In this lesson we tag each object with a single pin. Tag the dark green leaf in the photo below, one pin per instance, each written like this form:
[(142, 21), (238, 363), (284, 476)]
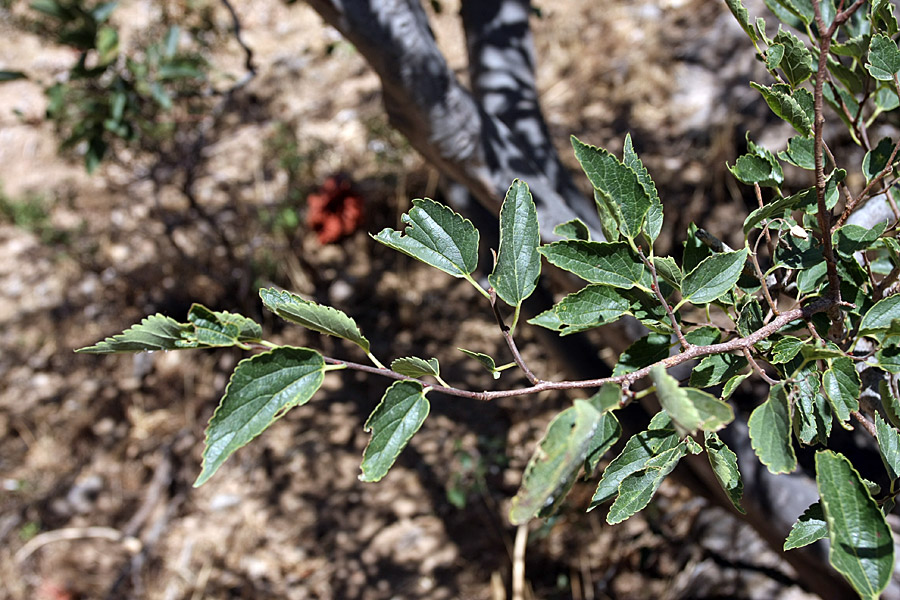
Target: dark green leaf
[(12, 76), (717, 368), (770, 432), (889, 445), (855, 47), (556, 461), (654, 221), (884, 58), (751, 169), (800, 152), (850, 239), (862, 548), (394, 421), (809, 528), (657, 439), (890, 403), (649, 349), (732, 384), (437, 236), (725, 465), (317, 317), (573, 230), (486, 361), (607, 433), (877, 158), (156, 332), (638, 488), (616, 181), (841, 385), (413, 366), (703, 336), (261, 390), (518, 263), (880, 316), (812, 413), (667, 270), (713, 277), (610, 216), (774, 54), (776, 209), (786, 107), (593, 305), (222, 328), (596, 262), (786, 349)]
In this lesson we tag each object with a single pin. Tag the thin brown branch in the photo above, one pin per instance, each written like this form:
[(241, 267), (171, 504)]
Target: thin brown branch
[(759, 370), (510, 342), (866, 424), (762, 279), (864, 195), (675, 326), (694, 352)]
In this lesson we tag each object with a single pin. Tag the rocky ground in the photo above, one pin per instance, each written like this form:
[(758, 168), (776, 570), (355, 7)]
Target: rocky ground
[(97, 454)]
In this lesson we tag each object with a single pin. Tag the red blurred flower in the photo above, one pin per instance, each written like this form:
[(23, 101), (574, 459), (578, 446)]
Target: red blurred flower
[(335, 210)]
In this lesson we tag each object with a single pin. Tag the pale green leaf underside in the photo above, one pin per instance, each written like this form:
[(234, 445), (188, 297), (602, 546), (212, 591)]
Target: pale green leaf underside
[(884, 58), (724, 464), (713, 277), (841, 386), (556, 461), (394, 421), (261, 390), (437, 236), (573, 230), (317, 317), (518, 265), (862, 547), (413, 366), (638, 488), (770, 432), (786, 107)]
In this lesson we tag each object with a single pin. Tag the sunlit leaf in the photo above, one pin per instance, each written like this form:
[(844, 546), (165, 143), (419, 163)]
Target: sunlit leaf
[(156, 332), (883, 58), (596, 262), (317, 317), (573, 230), (413, 366), (713, 277), (841, 384), (394, 421), (809, 528), (518, 265)]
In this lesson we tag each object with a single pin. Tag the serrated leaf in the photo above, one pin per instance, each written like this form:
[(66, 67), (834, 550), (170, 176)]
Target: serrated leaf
[(770, 432), (800, 152), (486, 361), (518, 265), (716, 368), (261, 390), (596, 262), (880, 316), (851, 239), (776, 209), (556, 461), (667, 270), (786, 349), (809, 528), (156, 332), (689, 409), (637, 489), (751, 169), (413, 366), (394, 421), (713, 277), (877, 158), (651, 348), (725, 465), (222, 328), (862, 548), (317, 317), (786, 107), (797, 63), (855, 47), (654, 220), (605, 436), (703, 336), (841, 384), (618, 182), (743, 17), (592, 305), (610, 216), (437, 236), (732, 384), (889, 446), (640, 448), (774, 54), (883, 61), (812, 412), (714, 413), (573, 230)]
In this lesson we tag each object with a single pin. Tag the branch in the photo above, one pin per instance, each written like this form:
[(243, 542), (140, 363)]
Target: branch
[(649, 263), (734, 345), (510, 342)]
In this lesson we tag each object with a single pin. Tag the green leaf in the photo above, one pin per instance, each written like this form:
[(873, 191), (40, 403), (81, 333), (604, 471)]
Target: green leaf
[(889, 445), (640, 448), (877, 158), (841, 385), (732, 384), (518, 262), (714, 414), (654, 221), (436, 236), (890, 403), (725, 465), (394, 421), (413, 366), (667, 270), (261, 390), (573, 230), (743, 18), (800, 152), (809, 528), (862, 548), (850, 239), (317, 317), (797, 63), (596, 262), (617, 182), (855, 47), (688, 408), (717, 368), (774, 54), (703, 336), (786, 107), (786, 349), (592, 305), (713, 277), (607, 433), (156, 332), (776, 209), (222, 328), (770, 432), (880, 316), (556, 461), (884, 58), (651, 348), (610, 216), (812, 412), (750, 169), (638, 488), (486, 361)]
